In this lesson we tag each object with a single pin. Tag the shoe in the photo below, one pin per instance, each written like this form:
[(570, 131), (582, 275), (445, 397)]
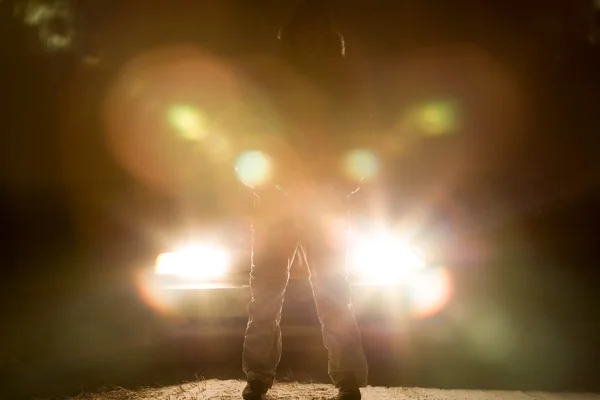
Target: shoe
[(348, 390), (255, 391)]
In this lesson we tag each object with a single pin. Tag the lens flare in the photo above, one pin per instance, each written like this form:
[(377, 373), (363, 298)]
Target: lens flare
[(384, 258), (253, 168), (361, 164), (172, 113), (189, 122), (430, 291), (436, 118), (197, 262)]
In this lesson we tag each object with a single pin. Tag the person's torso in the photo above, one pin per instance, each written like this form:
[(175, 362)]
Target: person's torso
[(314, 123)]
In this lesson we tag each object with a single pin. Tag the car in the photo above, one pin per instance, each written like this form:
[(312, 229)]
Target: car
[(202, 288)]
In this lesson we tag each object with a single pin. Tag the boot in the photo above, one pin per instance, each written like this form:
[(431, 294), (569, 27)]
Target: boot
[(255, 391), (348, 389)]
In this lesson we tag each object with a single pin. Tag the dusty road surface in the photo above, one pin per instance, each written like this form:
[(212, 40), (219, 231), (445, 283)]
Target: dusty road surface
[(231, 389)]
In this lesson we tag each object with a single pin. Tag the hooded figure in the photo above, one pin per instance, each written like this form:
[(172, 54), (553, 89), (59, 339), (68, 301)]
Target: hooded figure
[(308, 220)]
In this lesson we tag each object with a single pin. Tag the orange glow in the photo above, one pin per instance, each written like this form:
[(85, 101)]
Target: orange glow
[(169, 113), (164, 302), (430, 291)]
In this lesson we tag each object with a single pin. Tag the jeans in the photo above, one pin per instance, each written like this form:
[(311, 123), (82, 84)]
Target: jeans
[(283, 228)]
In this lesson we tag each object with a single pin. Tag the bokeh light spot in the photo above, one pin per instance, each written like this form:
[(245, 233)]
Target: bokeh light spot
[(54, 20), (361, 164), (253, 168), (436, 118), (173, 114), (431, 290), (189, 122)]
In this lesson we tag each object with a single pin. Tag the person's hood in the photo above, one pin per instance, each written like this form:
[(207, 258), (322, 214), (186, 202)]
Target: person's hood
[(310, 15)]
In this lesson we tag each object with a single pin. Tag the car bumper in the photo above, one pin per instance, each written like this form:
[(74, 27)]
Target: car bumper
[(220, 309)]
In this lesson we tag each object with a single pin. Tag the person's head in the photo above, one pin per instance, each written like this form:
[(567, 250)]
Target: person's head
[(308, 38)]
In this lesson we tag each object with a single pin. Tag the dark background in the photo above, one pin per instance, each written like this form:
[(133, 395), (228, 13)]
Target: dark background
[(527, 191)]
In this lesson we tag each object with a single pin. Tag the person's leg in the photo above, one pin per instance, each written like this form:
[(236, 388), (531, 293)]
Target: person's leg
[(273, 246), (326, 258)]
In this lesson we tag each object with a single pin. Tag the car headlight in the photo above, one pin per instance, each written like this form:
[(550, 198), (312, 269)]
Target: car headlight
[(384, 259), (199, 262)]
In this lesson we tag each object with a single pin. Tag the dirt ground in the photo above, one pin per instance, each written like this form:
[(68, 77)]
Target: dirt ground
[(231, 389)]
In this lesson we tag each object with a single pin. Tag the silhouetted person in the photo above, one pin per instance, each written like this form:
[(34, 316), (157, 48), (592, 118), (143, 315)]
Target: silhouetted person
[(306, 215)]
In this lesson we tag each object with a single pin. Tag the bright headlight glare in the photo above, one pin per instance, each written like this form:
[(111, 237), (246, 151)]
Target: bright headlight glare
[(197, 262), (385, 258)]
